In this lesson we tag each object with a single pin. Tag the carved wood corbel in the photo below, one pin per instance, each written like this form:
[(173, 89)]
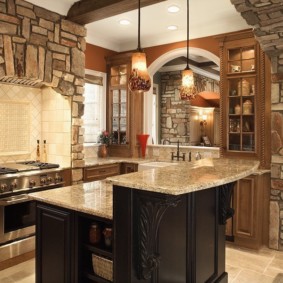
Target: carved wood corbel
[(150, 211), (225, 195)]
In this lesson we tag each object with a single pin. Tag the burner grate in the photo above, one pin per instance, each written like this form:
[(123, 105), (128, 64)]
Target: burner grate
[(5, 170), (41, 165)]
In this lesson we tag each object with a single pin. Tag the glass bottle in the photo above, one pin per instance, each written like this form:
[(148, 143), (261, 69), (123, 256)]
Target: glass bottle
[(38, 152), (44, 153)]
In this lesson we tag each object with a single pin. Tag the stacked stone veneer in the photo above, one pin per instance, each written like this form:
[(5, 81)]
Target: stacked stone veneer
[(40, 47), (266, 17), (175, 113)]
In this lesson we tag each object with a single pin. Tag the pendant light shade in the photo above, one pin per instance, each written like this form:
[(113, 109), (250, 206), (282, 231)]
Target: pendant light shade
[(188, 90), (139, 80)]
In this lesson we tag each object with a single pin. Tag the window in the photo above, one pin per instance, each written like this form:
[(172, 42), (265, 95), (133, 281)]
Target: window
[(94, 117)]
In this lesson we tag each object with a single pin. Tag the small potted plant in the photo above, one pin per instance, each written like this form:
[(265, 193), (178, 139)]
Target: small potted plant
[(104, 139)]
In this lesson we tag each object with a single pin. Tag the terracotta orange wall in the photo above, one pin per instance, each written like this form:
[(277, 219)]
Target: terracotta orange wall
[(95, 56), (206, 43)]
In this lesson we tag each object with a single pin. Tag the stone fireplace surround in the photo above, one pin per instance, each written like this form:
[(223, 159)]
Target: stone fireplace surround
[(40, 48)]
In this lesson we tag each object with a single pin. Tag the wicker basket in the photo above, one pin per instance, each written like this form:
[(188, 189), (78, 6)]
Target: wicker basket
[(102, 267)]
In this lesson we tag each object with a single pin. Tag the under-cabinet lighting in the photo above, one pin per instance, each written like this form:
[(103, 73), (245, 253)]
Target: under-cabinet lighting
[(124, 22), (173, 9), (172, 27)]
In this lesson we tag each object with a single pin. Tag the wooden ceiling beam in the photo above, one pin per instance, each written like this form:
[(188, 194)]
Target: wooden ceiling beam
[(88, 11)]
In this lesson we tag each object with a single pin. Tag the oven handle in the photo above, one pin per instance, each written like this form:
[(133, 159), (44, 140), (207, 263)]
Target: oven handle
[(14, 200)]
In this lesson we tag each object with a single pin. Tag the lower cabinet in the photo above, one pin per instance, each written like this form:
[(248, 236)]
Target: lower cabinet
[(95, 257), (100, 172), (54, 245), (128, 167), (249, 225), (70, 244)]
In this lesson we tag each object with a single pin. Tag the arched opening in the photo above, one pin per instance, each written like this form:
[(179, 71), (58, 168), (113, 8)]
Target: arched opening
[(151, 100)]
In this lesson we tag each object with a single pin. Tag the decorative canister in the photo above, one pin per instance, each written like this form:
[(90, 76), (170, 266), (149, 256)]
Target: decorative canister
[(94, 233), (243, 88), (247, 107), (237, 109), (107, 232)]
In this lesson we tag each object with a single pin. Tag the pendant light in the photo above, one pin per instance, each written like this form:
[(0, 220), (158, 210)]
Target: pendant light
[(139, 80), (188, 90)]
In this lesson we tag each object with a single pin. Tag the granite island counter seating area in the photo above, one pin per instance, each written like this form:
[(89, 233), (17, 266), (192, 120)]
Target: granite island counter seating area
[(168, 224)]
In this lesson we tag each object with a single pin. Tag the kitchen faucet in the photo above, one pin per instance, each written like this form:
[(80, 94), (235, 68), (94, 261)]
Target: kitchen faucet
[(178, 156)]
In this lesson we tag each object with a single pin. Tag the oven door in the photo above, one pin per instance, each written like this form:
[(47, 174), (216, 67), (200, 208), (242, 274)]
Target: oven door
[(17, 218)]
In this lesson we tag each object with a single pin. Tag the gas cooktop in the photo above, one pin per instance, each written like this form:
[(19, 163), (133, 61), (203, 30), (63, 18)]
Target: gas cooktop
[(11, 168), (40, 165)]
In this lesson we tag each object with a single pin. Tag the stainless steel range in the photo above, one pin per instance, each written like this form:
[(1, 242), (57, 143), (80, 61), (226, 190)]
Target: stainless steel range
[(17, 211)]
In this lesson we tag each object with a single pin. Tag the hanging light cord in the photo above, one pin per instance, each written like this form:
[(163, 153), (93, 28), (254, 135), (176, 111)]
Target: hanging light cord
[(139, 27), (187, 35)]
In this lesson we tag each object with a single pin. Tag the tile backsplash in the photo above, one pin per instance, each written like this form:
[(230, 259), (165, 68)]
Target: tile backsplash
[(30, 114)]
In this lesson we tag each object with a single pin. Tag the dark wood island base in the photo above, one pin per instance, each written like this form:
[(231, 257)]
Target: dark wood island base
[(170, 238)]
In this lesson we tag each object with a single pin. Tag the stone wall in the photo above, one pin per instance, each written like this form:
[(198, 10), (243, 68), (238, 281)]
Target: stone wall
[(176, 113), (39, 47), (266, 17)]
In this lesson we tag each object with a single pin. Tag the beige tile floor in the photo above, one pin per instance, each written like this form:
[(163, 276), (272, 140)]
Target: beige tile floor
[(242, 265)]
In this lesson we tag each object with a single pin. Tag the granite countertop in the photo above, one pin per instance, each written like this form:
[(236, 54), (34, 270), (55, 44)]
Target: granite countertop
[(111, 160), (93, 198), (188, 177)]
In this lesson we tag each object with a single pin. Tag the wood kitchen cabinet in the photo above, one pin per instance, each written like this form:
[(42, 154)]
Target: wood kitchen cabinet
[(86, 249), (100, 172), (249, 225), (55, 245), (245, 98), (128, 167), (124, 109), (63, 248)]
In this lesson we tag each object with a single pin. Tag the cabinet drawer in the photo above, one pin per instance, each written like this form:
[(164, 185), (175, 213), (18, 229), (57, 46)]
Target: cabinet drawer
[(101, 172)]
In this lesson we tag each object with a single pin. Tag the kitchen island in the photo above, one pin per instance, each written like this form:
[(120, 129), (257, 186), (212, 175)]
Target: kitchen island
[(169, 223)]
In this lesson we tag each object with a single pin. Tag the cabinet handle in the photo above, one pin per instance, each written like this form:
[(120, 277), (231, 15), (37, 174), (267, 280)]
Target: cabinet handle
[(102, 171)]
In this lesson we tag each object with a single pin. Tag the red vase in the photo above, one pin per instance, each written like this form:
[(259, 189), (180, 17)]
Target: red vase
[(143, 140)]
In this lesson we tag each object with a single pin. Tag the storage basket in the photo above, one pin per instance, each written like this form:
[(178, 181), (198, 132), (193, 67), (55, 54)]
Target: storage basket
[(102, 267)]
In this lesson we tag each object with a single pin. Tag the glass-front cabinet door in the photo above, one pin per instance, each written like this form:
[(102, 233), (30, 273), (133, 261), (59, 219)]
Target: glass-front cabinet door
[(241, 90), (119, 104), (245, 98)]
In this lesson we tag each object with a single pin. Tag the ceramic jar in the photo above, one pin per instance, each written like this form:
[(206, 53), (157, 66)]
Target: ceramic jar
[(243, 88), (237, 109), (247, 107), (94, 233), (107, 232)]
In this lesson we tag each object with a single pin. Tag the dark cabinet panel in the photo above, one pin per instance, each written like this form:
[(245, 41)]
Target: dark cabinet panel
[(54, 243)]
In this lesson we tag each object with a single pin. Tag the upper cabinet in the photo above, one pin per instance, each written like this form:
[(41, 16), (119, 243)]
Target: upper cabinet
[(124, 109), (118, 102), (245, 98)]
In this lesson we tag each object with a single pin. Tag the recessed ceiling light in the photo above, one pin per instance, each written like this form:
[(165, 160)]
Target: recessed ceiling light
[(124, 22), (173, 9), (172, 27)]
